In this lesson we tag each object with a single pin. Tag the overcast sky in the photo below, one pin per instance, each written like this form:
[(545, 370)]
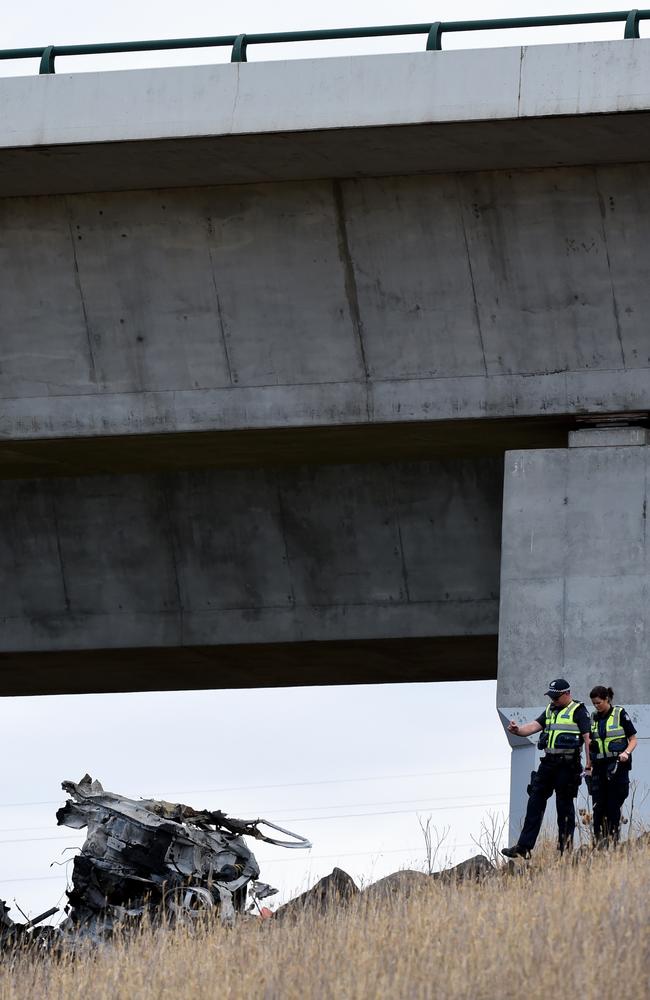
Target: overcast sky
[(313, 759), (37, 22)]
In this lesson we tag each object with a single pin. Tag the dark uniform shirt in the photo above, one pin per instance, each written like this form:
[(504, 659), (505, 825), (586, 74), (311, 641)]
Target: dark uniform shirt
[(626, 725)]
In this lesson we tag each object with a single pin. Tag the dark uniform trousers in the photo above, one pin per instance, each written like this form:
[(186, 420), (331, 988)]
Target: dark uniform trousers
[(610, 786), (555, 774)]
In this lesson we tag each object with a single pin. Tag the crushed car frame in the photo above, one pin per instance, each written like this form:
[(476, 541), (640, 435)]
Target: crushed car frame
[(161, 859)]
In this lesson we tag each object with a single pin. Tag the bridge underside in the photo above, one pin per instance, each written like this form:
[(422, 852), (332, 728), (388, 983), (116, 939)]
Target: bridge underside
[(413, 441), (294, 664), (355, 152)]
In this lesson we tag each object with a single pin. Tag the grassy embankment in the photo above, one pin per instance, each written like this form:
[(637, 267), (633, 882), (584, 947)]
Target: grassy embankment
[(577, 929)]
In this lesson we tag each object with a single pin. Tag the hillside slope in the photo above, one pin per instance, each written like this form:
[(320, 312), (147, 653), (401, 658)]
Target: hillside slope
[(579, 924)]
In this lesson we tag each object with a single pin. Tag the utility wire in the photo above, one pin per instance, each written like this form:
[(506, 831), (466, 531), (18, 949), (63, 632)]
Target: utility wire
[(30, 878), (310, 819), (290, 784), (392, 812), (363, 805), (275, 809), (35, 840), (341, 781), (358, 854), (272, 861)]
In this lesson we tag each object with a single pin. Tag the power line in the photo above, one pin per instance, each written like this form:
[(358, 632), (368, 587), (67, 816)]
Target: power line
[(357, 854), (273, 861), (31, 878), (393, 812), (35, 840), (389, 802), (341, 781), (310, 819), (291, 784), (275, 809)]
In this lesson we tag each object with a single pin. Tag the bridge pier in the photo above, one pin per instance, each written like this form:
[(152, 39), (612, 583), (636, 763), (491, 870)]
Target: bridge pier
[(575, 580)]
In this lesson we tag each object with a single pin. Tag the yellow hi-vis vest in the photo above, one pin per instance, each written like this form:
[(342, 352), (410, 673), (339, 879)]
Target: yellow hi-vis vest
[(561, 730), (615, 739)]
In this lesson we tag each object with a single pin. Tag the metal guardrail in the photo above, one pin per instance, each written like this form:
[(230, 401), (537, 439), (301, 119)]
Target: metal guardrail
[(239, 43)]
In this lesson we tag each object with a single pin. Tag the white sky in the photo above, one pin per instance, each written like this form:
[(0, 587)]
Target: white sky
[(338, 751), (395, 751)]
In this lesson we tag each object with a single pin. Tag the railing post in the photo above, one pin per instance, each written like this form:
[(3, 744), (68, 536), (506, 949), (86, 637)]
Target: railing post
[(632, 25), (434, 38), (239, 49), (47, 61)]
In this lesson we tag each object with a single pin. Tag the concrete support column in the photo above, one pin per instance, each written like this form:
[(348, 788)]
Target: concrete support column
[(522, 761), (575, 587)]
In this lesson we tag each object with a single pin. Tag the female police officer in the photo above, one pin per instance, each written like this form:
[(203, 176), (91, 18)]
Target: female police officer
[(613, 738)]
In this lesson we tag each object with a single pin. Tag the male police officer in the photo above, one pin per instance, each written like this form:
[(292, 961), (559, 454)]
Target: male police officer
[(565, 725)]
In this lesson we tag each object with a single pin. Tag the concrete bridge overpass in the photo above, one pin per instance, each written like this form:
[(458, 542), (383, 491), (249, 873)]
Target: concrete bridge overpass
[(270, 336)]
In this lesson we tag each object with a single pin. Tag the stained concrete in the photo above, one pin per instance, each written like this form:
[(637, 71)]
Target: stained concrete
[(308, 268), (198, 561), (575, 571), (419, 112), (325, 304), (575, 578)]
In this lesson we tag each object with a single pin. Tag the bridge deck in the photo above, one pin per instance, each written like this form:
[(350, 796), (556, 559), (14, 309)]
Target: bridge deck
[(500, 108)]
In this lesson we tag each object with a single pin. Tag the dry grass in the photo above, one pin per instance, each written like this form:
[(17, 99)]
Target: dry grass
[(534, 934)]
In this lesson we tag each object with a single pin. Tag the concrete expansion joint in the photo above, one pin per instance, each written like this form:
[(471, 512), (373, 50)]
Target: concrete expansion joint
[(608, 437)]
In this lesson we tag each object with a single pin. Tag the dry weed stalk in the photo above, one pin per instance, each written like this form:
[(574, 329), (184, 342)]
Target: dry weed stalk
[(433, 843)]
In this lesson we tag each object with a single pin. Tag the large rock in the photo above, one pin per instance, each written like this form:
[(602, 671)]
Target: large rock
[(472, 869), (402, 884), (333, 889)]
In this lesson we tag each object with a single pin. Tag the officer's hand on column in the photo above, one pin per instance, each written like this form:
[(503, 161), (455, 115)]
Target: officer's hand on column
[(513, 727)]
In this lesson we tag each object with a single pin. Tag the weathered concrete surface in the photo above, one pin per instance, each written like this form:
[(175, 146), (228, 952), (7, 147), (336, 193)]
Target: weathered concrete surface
[(319, 304), (340, 117), (575, 582), (453, 309), (212, 559)]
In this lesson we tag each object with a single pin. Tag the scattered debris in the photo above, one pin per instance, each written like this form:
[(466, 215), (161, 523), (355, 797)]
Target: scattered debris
[(257, 891), (15, 935), (7, 926)]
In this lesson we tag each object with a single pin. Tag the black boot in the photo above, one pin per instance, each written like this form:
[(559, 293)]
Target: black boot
[(515, 852)]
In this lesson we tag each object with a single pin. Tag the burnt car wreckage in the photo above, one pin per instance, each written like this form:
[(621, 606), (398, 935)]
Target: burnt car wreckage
[(163, 860)]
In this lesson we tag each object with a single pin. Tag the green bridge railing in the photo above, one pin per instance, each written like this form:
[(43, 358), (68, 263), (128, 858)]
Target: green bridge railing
[(239, 43)]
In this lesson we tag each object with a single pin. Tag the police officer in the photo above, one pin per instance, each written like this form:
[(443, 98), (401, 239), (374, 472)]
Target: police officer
[(613, 738), (565, 726)]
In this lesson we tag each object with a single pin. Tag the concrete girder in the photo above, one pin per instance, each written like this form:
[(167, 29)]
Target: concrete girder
[(317, 305), (181, 569)]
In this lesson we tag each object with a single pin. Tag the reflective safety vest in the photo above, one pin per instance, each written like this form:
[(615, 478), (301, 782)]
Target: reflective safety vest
[(561, 731), (615, 739)]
